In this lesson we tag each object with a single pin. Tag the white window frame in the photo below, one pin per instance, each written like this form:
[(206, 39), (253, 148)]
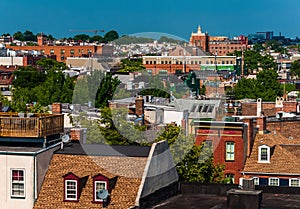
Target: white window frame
[(270, 179), (229, 151), (95, 186), (66, 190), (294, 179), (255, 180), (17, 182), (268, 154)]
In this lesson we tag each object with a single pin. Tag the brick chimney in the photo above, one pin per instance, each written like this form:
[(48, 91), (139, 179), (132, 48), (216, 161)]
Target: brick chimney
[(261, 124), (183, 125), (78, 134), (56, 108), (139, 106), (250, 137)]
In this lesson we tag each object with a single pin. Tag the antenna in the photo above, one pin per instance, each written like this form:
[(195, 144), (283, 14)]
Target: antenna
[(65, 138)]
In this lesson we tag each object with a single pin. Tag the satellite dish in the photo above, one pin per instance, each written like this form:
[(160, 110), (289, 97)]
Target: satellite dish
[(102, 194), (65, 138)]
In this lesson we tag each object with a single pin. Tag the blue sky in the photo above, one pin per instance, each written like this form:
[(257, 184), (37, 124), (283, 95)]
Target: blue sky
[(176, 17)]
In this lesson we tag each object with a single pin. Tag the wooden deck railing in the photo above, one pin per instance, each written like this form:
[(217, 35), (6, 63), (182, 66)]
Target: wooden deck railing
[(36, 125)]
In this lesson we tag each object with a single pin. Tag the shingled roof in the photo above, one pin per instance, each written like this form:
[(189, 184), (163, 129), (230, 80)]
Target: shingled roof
[(127, 170), (284, 157)]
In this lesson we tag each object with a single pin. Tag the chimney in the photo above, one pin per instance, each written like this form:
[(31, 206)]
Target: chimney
[(183, 125), (250, 137), (261, 124), (259, 107), (139, 106), (78, 134), (56, 108)]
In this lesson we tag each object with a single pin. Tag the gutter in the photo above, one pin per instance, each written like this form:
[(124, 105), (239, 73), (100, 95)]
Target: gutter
[(263, 173)]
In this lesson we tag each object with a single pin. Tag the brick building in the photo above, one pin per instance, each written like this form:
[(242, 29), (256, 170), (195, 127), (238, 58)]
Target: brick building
[(228, 143), (218, 45)]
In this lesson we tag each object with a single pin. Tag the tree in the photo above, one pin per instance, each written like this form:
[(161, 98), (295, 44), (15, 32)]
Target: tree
[(29, 36), (266, 87), (97, 38), (111, 36), (19, 36), (295, 68), (81, 37), (131, 65)]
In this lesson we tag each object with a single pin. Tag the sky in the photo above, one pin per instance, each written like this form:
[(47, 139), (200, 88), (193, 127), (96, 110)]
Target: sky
[(176, 17)]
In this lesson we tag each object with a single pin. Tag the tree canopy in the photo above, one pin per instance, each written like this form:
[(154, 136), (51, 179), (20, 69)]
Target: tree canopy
[(44, 85), (265, 86), (295, 68)]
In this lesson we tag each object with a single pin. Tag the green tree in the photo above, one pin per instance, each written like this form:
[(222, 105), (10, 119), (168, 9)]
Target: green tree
[(295, 68), (111, 36), (29, 36), (19, 36), (131, 65), (97, 38), (81, 37), (266, 86)]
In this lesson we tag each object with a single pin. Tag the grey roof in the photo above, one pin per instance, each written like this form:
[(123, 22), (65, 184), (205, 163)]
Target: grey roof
[(75, 148), (203, 74)]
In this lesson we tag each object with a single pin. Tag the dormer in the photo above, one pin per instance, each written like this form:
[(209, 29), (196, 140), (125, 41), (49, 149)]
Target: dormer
[(102, 185), (264, 154), (71, 187)]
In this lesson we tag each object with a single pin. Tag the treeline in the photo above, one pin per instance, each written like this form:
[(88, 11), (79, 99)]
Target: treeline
[(31, 37), (125, 40)]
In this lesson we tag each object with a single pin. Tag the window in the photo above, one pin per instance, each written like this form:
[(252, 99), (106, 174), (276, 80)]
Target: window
[(51, 51), (18, 183), (62, 51), (273, 182), (294, 182), (99, 185), (72, 51), (264, 154), (230, 178), (229, 151), (256, 180), (70, 189)]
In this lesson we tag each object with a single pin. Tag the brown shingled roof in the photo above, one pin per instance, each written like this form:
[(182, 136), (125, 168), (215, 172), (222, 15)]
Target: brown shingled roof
[(128, 170), (284, 155)]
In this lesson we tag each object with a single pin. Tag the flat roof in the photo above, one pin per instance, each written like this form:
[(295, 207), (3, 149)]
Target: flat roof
[(76, 148)]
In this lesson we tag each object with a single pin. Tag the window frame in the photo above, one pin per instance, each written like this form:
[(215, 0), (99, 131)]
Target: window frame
[(292, 179), (255, 179), (17, 182), (70, 177), (66, 190), (96, 199), (260, 152), (230, 152), (96, 179), (273, 178)]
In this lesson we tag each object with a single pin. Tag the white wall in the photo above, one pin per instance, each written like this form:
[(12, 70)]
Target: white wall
[(11, 61), (9, 162), (173, 116)]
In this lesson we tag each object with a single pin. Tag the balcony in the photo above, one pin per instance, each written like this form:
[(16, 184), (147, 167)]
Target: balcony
[(30, 125)]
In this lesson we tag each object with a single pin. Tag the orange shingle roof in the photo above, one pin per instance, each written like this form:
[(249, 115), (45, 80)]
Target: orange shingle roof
[(284, 155), (128, 169)]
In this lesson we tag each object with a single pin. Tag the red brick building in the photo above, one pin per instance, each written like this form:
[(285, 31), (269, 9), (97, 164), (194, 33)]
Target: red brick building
[(218, 45), (228, 143)]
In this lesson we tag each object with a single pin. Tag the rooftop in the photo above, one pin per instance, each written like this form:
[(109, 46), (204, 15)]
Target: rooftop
[(104, 150)]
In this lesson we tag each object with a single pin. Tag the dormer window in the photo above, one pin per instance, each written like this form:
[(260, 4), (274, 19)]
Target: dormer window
[(264, 154), (101, 187), (71, 187)]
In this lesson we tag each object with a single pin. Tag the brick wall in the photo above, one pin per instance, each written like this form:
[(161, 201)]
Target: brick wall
[(287, 128), (269, 108), (219, 139)]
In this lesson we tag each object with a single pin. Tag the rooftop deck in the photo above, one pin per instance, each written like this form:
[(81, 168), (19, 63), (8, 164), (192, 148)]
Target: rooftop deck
[(30, 125)]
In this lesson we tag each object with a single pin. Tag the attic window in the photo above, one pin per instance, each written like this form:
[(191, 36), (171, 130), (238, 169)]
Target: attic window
[(101, 186), (264, 154), (71, 187)]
